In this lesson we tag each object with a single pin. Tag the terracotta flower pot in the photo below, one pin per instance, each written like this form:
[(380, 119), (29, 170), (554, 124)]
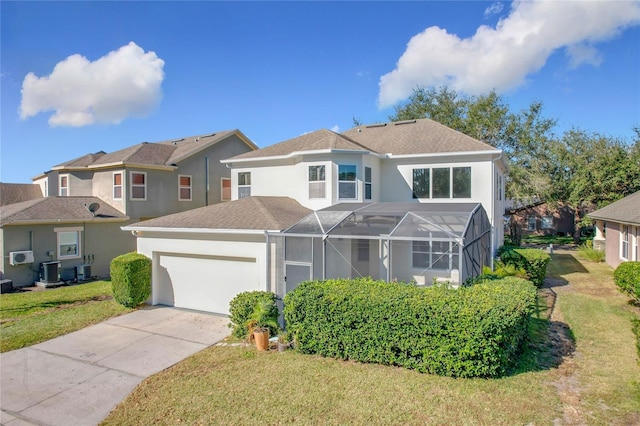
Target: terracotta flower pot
[(261, 337)]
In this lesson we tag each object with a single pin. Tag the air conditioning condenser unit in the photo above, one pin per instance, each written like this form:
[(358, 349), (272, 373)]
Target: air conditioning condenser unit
[(20, 257)]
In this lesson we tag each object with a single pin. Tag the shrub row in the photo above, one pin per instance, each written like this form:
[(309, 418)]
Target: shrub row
[(470, 332), (627, 278), (534, 261), (131, 279), (242, 306)]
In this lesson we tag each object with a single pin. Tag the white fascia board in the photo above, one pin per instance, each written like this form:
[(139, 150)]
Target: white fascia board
[(299, 154), (64, 221), (196, 230), (445, 154), (132, 165)]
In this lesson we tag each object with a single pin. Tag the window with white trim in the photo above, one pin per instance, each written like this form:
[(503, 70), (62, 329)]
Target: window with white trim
[(546, 222), (68, 242), (347, 182), (225, 189), (117, 185), (184, 187), (46, 187), (624, 242), (317, 182), (367, 183), (244, 184), (138, 187), (637, 243), (442, 182), (531, 223), (63, 185)]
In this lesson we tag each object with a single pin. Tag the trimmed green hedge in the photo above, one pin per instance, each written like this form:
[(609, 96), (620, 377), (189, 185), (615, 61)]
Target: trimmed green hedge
[(534, 261), (627, 278), (242, 306), (131, 279), (469, 332)]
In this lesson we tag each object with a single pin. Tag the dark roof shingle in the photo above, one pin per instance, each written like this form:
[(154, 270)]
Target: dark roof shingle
[(257, 213), (626, 210), (11, 193), (58, 209)]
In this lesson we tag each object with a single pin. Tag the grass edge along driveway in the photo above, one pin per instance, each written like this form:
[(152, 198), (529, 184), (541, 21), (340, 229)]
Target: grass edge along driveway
[(28, 318)]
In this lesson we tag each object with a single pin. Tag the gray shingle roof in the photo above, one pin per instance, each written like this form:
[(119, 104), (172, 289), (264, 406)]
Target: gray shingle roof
[(258, 213), (11, 193), (58, 209), (423, 136), (319, 140), (163, 153), (626, 210)]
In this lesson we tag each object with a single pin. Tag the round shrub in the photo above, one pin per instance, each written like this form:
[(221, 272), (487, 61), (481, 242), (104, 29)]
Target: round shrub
[(242, 306), (627, 278), (131, 279)]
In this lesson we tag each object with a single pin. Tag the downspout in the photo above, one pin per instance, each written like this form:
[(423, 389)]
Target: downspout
[(268, 262), (206, 177)]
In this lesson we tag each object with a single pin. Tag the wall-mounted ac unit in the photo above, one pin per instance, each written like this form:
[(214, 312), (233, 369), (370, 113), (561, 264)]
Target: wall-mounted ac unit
[(20, 257)]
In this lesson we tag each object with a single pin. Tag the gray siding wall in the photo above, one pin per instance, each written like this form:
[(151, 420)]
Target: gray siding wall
[(102, 241), (80, 184)]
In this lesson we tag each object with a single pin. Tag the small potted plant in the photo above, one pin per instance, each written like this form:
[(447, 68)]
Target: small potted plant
[(259, 323), (283, 341)]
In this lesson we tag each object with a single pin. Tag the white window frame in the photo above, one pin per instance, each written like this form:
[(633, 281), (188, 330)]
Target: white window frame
[(549, 219), (637, 243), (319, 183), (137, 185), (529, 223), (625, 232), (430, 171), (121, 186), (46, 187), (181, 187), (244, 190), (78, 231), (353, 182), (222, 181), (61, 188), (368, 187)]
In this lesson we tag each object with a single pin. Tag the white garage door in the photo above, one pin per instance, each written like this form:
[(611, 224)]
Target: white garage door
[(203, 283)]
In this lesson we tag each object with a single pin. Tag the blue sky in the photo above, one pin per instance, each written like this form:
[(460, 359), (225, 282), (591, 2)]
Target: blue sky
[(80, 77)]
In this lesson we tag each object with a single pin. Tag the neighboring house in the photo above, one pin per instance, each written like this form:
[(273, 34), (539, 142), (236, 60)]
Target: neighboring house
[(136, 183), (540, 218), (618, 230), (413, 201), (60, 229)]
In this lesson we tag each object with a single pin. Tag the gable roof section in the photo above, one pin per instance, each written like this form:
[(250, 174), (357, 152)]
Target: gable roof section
[(252, 213), (11, 193), (164, 153), (414, 137), (58, 210), (626, 210), (319, 140)]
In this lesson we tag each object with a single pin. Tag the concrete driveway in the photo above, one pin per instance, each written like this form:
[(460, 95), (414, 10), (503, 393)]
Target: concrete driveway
[(77, 379)]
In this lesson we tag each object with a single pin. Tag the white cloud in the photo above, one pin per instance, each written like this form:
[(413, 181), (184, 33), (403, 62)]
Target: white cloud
[(123, 83), (336, 129), (501, 58), (493, 9)]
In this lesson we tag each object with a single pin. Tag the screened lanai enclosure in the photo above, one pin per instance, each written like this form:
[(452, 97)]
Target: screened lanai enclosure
[(408, 242)]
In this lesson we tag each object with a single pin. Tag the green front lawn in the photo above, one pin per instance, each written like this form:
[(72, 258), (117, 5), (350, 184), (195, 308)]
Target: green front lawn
[(32, 317), (599, 385)]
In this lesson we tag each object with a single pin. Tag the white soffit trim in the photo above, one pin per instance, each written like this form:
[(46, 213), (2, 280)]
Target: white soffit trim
[(197, 230), (446, 154), (299, 154)]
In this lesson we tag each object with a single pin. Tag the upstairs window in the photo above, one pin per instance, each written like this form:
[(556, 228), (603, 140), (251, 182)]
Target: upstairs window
[(63, 186), (46, 187), (531, 223), (225, 184), (244, 184), (461, 182), (547, 222), (441, 183), (367, 183), (117, 186), (421, 183), (138, 185), (347, 182), (184, 188), (317, 184)]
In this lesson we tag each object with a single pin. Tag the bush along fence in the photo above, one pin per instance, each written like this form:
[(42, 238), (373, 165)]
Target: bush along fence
[(131, 279), (533, 261), (473, 331)]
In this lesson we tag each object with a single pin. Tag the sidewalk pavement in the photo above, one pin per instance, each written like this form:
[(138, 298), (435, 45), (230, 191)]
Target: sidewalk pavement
[(77, 379)]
